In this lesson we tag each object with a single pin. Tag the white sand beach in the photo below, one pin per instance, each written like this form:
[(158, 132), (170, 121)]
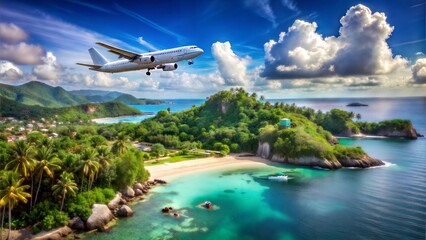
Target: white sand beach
[(168, 171)]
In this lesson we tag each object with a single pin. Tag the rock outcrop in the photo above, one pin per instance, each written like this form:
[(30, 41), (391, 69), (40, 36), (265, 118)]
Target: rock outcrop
[(129, 192), (409, 133), (76, 223), (138, 186), (361, 162), (138, 192), (116, 202), (307, 161), (101, 215), (264, 150), (124, 211)]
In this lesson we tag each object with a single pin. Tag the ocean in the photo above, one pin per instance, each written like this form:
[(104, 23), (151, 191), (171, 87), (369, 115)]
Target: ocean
[(377, 203)]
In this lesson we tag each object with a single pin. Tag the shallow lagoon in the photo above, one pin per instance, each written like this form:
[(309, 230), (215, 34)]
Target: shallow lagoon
[(379, 203)]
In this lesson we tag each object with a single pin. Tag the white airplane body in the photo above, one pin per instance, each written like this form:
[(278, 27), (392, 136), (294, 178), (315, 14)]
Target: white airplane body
[(163, 59)]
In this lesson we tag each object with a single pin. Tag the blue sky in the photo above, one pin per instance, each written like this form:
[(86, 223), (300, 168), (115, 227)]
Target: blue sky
[(327, 48)]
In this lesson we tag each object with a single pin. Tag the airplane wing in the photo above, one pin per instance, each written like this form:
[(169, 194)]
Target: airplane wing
[(120, 52), (90, 65)]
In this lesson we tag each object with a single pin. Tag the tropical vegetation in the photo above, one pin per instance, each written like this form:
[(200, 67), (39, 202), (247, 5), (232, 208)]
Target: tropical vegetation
[(46, 181)]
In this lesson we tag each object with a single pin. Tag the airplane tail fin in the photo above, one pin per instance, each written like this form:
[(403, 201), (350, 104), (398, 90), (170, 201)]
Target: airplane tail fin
[(98, 59)]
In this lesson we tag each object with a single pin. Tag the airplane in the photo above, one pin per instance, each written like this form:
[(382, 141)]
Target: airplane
[(163, 59)]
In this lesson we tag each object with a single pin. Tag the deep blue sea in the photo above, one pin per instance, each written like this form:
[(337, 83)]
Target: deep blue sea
[(378, 203)]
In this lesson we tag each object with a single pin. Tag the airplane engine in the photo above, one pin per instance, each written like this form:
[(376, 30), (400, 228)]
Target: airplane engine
[(170, 67), (145, 60)]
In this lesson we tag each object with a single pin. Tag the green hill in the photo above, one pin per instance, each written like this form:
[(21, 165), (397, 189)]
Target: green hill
[(131, 100), (97, 95), (235, 121), (38, 93), (10, 108)]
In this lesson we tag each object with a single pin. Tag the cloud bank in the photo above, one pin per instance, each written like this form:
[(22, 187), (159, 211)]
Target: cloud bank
[(360, 49), (419, 71)]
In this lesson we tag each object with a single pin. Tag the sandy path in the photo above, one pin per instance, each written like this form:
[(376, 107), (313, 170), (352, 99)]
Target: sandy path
[(168, 171)]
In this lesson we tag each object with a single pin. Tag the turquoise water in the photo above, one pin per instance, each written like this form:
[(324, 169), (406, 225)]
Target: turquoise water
[(377, 203)]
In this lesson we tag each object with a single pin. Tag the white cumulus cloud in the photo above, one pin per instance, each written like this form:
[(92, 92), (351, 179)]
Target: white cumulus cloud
[(107, 80), (419, 71), (9, 71), (360, 49), (21, 53), (49, 69), (11, 33), (231, 67)]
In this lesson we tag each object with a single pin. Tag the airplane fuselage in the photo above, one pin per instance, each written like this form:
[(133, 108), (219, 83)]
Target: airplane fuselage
[(166, 58)]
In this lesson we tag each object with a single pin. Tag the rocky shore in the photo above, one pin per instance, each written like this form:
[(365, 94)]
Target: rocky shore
[(364, 161), (408, 133), (103, 215)]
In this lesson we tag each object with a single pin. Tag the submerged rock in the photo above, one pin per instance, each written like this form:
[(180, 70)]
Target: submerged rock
[(160, 181), (101, 215)]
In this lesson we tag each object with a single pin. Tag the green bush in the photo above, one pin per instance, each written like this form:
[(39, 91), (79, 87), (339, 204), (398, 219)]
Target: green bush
[(82, 205), (54, 219), (342, 152)]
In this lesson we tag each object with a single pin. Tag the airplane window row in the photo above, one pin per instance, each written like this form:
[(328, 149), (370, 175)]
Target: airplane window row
[(170, 52)]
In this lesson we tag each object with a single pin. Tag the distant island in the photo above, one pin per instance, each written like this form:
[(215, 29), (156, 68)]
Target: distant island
[(39, 100), (357, 104), (79, 113), (44, 95)]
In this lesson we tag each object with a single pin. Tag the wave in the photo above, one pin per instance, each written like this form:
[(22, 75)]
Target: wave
[(281, 178)]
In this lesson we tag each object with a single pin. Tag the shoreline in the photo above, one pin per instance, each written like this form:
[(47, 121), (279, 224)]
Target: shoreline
[(169, 171), (123, 116)]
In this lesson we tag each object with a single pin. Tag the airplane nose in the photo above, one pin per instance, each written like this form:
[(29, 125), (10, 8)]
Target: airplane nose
[(200, 50)]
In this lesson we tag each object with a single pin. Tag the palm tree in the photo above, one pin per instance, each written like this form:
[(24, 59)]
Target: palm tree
[(12, 192), (121, 145), (104, 158), (90, 165), (47, 163), (22, 161), (2, 217), (65, 185)]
